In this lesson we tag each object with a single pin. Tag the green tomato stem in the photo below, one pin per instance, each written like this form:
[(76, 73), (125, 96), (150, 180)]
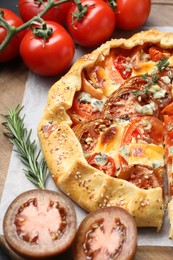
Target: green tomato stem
[(82, 10), (12, 30), (79, 5)]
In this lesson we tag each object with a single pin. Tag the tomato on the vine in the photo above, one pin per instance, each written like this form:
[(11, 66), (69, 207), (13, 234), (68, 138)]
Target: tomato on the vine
[(30, 8), (11, 51), (95, 26), (51, 56), (132, 14)]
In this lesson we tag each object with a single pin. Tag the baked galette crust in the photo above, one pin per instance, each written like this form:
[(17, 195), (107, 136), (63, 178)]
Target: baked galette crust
[(88, 187)]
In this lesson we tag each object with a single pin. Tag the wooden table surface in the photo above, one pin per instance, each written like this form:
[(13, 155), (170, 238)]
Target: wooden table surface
[(12, 84)]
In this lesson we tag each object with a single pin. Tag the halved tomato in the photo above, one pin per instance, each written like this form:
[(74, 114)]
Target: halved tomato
[(40, 224), (108, 233)]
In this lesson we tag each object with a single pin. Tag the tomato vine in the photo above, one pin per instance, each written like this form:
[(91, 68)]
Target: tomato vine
[(12, 30)]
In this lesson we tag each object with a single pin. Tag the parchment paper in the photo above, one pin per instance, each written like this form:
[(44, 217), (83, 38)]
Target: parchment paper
[(34, 102)]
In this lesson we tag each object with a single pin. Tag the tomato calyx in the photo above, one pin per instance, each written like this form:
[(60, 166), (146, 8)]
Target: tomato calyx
[(42, 31), (39, 2), (112, 4), (82, 10)]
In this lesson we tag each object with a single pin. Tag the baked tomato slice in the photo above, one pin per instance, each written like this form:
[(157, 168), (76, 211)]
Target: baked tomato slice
[(153, 86), (143, 176), (147, 129), (168, 110), (40, 224), (157, 53), (103, 162), (127, 103), (168, 127), (108, 233), (88, 134), (124, 66), (85, 107)]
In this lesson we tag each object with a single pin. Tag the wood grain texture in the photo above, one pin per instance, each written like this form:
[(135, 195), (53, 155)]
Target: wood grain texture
[(12, 84), (13, 76)]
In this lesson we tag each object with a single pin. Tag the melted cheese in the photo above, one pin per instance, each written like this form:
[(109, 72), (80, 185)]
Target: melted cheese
[(111, 144), (157, 91), (147, 154), (146, 109), (170, 61), (96, 103), (144, 67), (111, 147)]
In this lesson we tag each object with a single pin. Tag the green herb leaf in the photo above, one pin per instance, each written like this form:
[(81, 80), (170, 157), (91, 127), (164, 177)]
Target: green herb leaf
[(145, 76), (162, 64), (36, 169), (154, 77)]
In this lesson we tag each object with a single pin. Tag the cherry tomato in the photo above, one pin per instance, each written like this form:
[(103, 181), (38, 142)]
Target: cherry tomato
[(95, 27), (132, 14), (51, 56), (103, 162), (12, 49), (31, 8), (108, 233), (40, 224)]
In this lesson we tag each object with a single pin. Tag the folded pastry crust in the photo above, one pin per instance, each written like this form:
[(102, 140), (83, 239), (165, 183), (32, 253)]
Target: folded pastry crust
[(88, 187)]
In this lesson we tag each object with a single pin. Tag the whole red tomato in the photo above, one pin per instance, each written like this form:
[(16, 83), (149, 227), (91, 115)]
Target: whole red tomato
[(12, 49), (31, 8), (51, 56), (95, 27), (132, 14)]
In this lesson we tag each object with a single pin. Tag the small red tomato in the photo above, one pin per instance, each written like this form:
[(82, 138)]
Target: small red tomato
[(51, 56), (108, 233), (40, 224), (132, 14), (11, 51), (95, 27), (30, 8)]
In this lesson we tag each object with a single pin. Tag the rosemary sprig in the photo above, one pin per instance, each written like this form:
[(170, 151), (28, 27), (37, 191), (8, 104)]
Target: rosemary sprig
[(36, 169)]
